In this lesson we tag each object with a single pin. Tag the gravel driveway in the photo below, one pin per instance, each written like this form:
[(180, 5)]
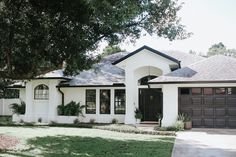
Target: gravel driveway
[(205, 143)]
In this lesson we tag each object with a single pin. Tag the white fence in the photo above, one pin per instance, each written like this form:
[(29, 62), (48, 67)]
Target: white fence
[(5, 106)]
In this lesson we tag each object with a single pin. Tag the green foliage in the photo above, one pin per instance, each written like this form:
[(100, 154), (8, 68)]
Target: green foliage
[(70, 109), (179, 125), (5, 120), (38, 36), (92, 121), (18, 108), (138, 114), (220, 49), (133, 129), (114, 121), (217, 49), (184, 117), (111, 49), (10, 94), (76, 121)]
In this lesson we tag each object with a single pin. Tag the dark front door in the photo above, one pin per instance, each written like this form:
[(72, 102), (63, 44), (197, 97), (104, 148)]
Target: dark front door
[(150, 103)]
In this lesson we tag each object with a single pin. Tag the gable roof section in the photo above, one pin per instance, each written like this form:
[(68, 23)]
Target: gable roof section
[(151, 50), (185, 58), (213, 69), (102, 74)]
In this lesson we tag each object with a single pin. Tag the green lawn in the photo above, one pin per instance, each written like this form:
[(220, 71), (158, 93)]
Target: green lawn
[(71, 146)]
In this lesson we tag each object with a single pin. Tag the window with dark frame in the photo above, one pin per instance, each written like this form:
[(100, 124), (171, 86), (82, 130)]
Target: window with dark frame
[(10, 94), (119, 101), (105, 101), (185, 91), (231, 91), (41, 92), (220, 91), (91, 101), (208, 91), (196, 91)]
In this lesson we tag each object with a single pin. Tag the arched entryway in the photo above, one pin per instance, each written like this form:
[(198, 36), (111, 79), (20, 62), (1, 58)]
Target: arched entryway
[(149, 100)]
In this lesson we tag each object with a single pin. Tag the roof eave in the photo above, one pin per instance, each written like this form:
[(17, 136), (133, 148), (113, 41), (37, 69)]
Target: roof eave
[(150, 49), (194, 82)]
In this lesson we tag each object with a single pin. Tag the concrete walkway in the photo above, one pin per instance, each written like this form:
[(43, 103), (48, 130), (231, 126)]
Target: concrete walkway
[(205, 143)]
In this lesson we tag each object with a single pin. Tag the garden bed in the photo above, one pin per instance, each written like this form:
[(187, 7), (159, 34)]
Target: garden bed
[(133, 129)]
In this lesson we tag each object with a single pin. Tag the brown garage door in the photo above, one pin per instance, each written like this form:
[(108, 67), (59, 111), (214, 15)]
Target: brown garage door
[(209, 107)]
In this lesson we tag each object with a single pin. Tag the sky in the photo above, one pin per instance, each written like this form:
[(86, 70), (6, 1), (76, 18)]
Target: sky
[(210, 21)]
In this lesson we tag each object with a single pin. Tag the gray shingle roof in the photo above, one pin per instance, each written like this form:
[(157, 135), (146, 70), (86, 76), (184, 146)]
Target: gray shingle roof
[(103, 73), (216, 68), (185, 58)]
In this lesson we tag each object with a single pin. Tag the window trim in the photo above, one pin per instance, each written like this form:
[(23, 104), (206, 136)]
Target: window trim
[(100, 100), (42, 98), (119, 101), (90, 101)]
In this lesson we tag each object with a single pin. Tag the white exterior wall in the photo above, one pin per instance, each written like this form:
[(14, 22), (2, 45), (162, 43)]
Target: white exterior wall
[(5, 104), (137, 66), (44, 109), (78, 94), (170, 98)]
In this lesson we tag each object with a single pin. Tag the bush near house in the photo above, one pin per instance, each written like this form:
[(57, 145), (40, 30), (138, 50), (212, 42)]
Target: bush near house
[(18, 108), (70, 109)]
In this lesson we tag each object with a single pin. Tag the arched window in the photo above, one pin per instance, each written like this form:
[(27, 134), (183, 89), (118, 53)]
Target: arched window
[(144, 80), (41, 92)]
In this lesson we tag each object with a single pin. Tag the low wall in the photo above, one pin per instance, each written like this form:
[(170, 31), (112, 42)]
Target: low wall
[(5, 106)]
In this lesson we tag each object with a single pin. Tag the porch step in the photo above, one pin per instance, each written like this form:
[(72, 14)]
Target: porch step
[(149, 122)]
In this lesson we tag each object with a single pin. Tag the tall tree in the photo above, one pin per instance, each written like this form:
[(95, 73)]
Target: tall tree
[(220, 49), (112, 49), (39, 35), (217, 49)]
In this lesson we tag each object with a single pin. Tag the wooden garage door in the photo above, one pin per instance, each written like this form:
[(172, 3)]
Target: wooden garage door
[(209, 107)]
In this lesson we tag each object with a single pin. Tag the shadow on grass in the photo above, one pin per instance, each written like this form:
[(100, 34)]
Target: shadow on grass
[(71, 146)]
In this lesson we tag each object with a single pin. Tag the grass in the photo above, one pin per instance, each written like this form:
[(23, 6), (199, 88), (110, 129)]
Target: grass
[(5, 120), (72, 146)]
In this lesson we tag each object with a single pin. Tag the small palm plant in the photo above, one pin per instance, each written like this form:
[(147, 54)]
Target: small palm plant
[(71, 109), (18, 108)]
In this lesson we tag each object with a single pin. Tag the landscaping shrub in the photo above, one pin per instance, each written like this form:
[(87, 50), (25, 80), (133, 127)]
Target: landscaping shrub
[(76, 121), (179, 125), (114, 121), (40, 120), (134, 130), (92, 121), (70, 109), (18, 108)]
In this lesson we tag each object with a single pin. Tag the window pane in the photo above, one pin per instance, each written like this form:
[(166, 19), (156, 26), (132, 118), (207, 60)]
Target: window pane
[(11, 93), (232, 91), (208, 91), (184, 91), (220, 91), (196, 91), (105, 101), (144, 80), (119, 101), (91, 101), (41, 92)]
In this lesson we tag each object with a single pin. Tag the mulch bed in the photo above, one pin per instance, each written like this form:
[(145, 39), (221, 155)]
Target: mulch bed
[(7, 142)]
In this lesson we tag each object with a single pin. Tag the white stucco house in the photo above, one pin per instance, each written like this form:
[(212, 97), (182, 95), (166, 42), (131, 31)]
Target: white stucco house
[(155, 82)]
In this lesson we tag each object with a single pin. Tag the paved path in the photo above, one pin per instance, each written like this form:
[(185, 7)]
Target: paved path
[(205, 143)]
